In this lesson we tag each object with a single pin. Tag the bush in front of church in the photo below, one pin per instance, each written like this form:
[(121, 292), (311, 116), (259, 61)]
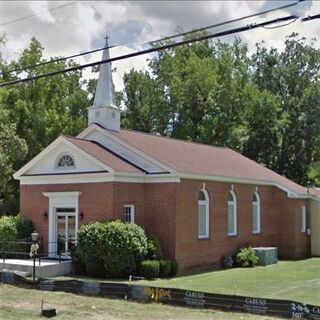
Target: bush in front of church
[(15, 229), (111, 249)]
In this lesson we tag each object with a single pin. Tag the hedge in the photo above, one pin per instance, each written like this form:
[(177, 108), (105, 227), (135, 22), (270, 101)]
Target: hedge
[(111, 249), (149, 269)]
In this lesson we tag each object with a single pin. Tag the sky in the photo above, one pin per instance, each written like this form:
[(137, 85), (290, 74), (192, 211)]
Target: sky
[(79, 26)]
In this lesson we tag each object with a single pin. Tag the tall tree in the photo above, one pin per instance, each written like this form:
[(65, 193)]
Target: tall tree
[(42, 110), (264, 105)]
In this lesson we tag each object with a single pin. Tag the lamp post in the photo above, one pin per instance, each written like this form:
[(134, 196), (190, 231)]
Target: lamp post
[(33, 251)]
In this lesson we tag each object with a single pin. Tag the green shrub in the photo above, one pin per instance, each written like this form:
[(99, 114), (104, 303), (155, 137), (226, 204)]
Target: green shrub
[(246, 257), (165, 268), (114, 248), (15, 228), (78, 266), (89, 248), (149, 269), (8, 228), (174, 268), (154, 248)]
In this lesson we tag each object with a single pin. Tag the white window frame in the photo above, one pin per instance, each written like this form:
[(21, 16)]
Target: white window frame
[(59, 158), (256, 204), (206, 203), (234, 204), (132, 213), (303, 219)]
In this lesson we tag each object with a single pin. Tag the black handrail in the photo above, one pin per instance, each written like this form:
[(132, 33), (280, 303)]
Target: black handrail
[(7, 252)]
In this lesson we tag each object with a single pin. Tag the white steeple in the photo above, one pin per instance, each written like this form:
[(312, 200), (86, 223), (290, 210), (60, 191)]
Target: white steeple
[(104, 110)]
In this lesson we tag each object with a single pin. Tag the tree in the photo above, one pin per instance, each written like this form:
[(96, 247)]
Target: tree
[(264, 105), (42, 110), (292, 76), (12, 150)]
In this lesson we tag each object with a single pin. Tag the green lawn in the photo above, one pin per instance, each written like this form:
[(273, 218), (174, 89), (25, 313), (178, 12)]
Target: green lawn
[(293, 280), (24, 304)]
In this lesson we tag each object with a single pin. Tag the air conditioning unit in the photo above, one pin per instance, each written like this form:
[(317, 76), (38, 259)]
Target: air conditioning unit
[(266, 255)]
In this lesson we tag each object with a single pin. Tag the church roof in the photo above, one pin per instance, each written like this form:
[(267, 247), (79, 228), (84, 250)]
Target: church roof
[(202, 159), (102, 154)]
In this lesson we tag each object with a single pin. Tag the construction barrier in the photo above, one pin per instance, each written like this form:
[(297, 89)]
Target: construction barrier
[(173, 296)]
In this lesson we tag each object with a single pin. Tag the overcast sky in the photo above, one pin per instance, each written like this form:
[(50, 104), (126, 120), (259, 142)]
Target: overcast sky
[(82, 25)]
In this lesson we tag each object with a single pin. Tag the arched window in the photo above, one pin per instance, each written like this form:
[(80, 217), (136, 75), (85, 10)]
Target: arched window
[(232, 214), (256, 213), (65, 161), (203, 214)]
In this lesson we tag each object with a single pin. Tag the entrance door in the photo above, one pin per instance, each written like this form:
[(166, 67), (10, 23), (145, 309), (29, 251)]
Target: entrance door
[(66, 230)]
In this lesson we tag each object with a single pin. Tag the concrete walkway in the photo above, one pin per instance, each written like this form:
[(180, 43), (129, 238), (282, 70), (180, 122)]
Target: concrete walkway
[(46, 268)]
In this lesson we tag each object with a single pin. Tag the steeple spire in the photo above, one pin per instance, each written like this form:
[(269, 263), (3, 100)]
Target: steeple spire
[(105, 96), (104, 111)]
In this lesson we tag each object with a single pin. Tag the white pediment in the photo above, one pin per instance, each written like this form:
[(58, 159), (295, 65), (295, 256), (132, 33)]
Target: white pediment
[(46, 162), (49, 163)]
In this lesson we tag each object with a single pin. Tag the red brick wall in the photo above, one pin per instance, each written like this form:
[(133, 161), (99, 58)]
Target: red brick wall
[(95, 201), (160, 214), (170, 211), (278, 223), (104, 201)]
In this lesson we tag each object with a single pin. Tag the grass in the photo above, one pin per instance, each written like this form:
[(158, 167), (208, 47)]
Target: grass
[(17, 303), (292, 280), (288, 280)]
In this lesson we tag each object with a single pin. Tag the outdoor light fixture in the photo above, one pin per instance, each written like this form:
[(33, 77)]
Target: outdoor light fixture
[(34, 236), (81, 215), (45, 215)]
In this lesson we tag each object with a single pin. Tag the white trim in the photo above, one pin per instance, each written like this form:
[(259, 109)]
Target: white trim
[(235, 213), (60, 200), (205, 202), (290, 193), (256, 204), (50, 148), (98, 177), (113, 137), (58, 158), (62, 194), (303, 219), (132, 213)]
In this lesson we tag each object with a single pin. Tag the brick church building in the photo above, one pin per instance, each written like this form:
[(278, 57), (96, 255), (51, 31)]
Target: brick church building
[(203, 202)]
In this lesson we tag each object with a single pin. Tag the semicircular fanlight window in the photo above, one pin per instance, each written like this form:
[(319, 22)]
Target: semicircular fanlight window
[(66, 161)]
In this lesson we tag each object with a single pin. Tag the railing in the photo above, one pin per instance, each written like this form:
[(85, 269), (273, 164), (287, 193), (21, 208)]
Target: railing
[(10, 249), (20, 249)]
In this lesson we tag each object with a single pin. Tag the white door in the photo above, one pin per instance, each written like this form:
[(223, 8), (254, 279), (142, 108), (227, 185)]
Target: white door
[(66, 228)]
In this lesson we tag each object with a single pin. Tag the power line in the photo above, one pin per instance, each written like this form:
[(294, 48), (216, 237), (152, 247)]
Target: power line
[(55, 60), (36, 14), (309, 18), (151, 42), (282, 25), (154, 49), (230, 21)]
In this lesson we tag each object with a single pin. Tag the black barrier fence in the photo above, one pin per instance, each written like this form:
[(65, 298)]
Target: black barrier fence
[(173, 296)]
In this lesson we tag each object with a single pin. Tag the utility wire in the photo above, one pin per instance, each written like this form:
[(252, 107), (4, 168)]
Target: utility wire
[(230, 21), (154, 49), (308, 18), (55, 60), (36, 14), (282, 25), (151, 42)]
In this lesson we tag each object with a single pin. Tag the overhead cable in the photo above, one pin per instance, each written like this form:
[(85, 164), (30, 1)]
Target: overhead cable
[(154, 41), (154, 49)]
